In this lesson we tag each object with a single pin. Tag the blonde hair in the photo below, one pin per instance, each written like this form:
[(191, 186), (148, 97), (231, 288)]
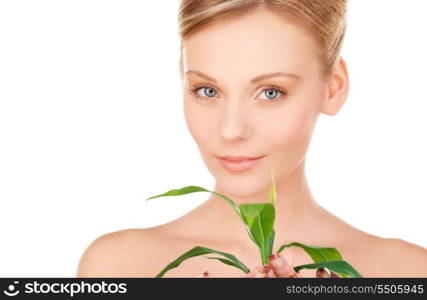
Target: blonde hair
[(324, 19)]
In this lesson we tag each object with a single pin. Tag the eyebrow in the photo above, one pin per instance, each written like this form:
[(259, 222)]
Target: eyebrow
[(254, 80)]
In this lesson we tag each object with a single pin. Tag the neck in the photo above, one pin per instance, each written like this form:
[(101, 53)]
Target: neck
[(295, 211)]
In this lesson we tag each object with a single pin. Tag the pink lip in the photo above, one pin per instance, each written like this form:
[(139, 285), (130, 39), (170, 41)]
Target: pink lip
[(238, 163)]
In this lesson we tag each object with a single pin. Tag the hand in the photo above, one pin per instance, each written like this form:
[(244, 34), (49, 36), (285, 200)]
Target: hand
[(283, 268), (268, 271), (325, 273), (277, 267), (257, 272)]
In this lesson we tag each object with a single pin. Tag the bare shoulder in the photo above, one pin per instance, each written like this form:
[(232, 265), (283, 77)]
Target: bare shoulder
[(376, 256), (119, 254), (393, 257), (409, 260)]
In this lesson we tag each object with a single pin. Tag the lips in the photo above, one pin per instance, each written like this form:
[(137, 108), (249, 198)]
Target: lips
[(238, 163), (239, 158)]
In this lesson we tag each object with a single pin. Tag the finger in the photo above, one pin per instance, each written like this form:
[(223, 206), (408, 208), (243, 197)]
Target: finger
[(326, 273), (288, 256), (280, 266), (205, 274), (261, 272), (323, 273), (270, 272), (334, 275), (252, 272)]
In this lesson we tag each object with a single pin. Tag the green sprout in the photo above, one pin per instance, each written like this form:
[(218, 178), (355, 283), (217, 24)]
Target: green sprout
[(258, 219)]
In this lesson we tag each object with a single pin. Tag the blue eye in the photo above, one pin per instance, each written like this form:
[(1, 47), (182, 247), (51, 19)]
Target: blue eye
[(273, 93), (209, 92)]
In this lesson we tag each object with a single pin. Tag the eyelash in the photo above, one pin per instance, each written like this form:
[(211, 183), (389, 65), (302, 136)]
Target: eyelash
[(283, 92)]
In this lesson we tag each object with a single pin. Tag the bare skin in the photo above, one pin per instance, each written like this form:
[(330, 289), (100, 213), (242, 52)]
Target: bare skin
[(235, 118), (144, 252)]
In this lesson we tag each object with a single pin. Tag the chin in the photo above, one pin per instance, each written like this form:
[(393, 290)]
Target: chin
[(242, 186)]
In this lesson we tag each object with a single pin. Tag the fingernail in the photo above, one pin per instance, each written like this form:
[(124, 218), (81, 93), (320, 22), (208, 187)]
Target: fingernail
[(322, 273), (272, 256)]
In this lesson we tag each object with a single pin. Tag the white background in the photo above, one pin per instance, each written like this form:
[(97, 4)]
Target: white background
[(91, 124)]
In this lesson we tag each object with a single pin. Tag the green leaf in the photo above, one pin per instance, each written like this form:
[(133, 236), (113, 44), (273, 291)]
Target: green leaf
[(272, 195), (194, 188), (259, 219), (318, 254), (197, 251), (229, 262), (339, 266), (270, 243), (181, 191)]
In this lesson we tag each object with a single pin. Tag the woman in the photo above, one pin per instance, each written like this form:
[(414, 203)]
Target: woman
[(256, 75)]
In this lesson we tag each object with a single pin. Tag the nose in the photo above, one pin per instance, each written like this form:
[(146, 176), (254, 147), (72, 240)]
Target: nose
[(234, 125)]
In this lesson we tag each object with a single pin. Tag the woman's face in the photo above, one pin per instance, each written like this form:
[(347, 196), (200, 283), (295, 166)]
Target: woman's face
[(230, 113)]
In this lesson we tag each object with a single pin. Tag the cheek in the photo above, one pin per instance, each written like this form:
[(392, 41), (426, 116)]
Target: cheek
[(198, 123), (288, 128), (287, 137)]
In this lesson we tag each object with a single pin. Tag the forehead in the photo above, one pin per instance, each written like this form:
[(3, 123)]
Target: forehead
[(250, 44)]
